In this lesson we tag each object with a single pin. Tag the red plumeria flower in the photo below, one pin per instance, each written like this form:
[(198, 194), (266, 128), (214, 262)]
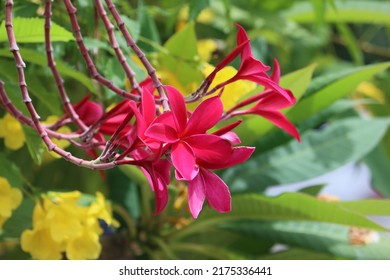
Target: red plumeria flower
[(187, 138), (268, 107), (208, 186), (250, 69)]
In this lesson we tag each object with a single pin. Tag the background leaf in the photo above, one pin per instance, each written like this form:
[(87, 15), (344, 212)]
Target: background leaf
[(321, 151), (31, 30), (333, 91), (34, 143), (297, 82), (291, 206), (321, 237)]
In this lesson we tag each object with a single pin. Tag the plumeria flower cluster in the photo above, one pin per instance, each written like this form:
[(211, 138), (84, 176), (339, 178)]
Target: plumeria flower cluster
[(153, 126), (63, 228), (180, 138)]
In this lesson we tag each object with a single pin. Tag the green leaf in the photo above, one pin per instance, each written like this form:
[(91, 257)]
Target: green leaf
[(34, 143), (347, 11), (196, 7), (31, 30), (335, 111), (297, 254), (331, 89), (50, 99), (367, 207), (321, 237), (351, 43), (320, 152), (10, 171), (148, 30), (288, 206), (38, 58), (254, 126), (181, 62), (312, 190), (183, 43), (20, 220), (124, 192), (379, 166)]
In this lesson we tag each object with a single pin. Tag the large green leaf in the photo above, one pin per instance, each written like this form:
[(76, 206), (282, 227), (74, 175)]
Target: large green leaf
[(31, 30), (331, 89), (181, 61), (10, 171), (321, 151), (322, 237), (297, 81), (349, 11), (288, 206), (38, 58), (35, 144), (183, 43), (379, 166), (279, 137), (36, 87), (20, 220)]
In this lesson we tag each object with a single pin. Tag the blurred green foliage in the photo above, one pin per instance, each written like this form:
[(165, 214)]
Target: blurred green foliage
[(334, 56)]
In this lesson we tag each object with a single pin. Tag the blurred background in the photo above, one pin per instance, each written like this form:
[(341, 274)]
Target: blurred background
[(317, 198)]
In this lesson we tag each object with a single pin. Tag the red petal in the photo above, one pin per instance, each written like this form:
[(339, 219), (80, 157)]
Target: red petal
[(239, 155), (159, 188), (184, 160), (275, 76), (148, 106), (227, 128), (267, 82), (178, 107), (162, 132), (196, 195), (205, 116), (89, 112), (275, 101), (281, 121), (210, 148), (217, 192)]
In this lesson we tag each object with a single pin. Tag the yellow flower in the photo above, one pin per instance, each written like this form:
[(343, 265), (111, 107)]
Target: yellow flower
[(101, 209), (206, 48), (40, 244), (67, 228), (205, 16), (12, 132), (89, 242), (10, 199)]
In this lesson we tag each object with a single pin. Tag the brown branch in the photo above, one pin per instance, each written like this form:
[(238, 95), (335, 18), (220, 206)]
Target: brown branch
[(114, 44), (87, 58), (131, 43), (68, 108), (35, 119)]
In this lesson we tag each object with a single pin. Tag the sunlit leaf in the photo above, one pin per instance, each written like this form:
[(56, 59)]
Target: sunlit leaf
[(351, 11), (331, 88), (34, 143), (31, 30), (38, 58), (288, 206)]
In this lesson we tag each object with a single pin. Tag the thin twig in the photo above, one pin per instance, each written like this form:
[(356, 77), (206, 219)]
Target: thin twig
[(131, 43), (114, 44), (87, 58)]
